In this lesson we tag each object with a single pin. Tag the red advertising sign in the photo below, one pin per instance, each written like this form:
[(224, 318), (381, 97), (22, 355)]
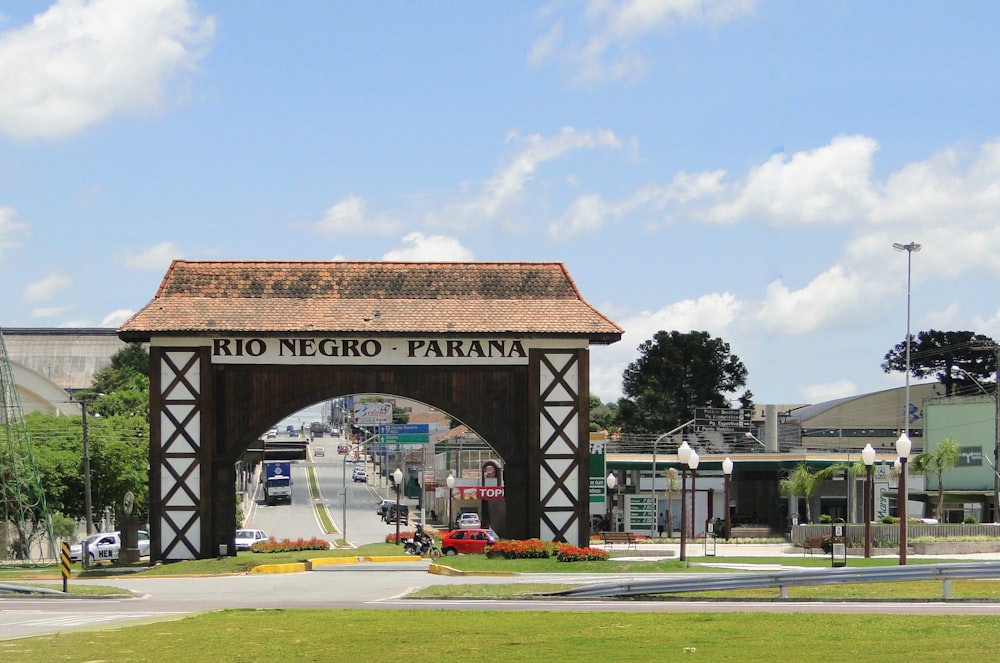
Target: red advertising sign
[(480, 493)]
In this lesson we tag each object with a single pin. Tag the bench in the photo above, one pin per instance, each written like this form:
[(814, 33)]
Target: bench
[(611, 538)]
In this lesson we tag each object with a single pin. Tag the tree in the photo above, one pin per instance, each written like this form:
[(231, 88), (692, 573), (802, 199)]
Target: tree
[(602, 415), (674, 374), (943, 353), (944, 457), (126, 371), (804, 482)]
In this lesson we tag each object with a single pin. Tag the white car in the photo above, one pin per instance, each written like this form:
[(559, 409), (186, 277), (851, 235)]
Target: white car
[(318, 452), (360, 474), (468, 521), (245, 538), (105, 547)]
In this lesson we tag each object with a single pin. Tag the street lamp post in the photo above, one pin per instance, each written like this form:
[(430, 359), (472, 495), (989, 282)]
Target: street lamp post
[(868, 457), (683, 456), (693, 460), (398, 476), (450, 481), (903, 445), (611, 481), (727, 473)]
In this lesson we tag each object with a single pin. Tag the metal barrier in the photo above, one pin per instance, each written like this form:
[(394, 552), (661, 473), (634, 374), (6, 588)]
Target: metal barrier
[(784, 579)]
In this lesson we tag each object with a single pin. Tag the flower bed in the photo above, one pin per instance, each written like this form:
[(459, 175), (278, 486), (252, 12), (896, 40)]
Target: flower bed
[(537, 549), (272, 545)]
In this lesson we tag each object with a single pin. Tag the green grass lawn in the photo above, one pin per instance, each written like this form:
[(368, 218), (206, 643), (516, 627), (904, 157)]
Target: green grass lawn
[(447, 635)]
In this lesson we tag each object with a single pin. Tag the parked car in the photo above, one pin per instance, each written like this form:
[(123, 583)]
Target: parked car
[(245, 538), (468, 541), (318, 452), (383, 505), (273, 433), (468, 521), (105, 547), (360, 474)]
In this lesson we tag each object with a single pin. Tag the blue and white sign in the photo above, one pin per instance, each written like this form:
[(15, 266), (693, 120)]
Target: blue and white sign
[(404, 429)]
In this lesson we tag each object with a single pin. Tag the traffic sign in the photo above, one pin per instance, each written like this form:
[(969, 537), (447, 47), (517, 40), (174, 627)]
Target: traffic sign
[(406, 438), (404, 429), (723, 419)]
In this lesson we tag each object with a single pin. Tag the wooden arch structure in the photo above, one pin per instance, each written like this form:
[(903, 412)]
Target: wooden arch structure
[(236, 346)]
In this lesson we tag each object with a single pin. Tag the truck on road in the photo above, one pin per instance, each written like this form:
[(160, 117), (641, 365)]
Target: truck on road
[(316, 429), (277, 482)]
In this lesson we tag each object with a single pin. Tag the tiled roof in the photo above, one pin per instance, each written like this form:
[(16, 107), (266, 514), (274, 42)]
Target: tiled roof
[(528, 298)]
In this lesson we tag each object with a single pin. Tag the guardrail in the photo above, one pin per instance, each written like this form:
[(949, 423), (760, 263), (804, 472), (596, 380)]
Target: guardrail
[(889, 534), (781, 580)]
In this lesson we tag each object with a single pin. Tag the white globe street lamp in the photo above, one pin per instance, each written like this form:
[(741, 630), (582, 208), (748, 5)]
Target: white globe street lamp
[(727, 473), (868, 458), (903, 446)]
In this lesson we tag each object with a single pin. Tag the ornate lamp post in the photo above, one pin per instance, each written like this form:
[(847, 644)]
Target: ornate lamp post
[(611, 481), (450, 481), (903, 446), (398, 476), (727, 473), (868, 457), (683, 456)]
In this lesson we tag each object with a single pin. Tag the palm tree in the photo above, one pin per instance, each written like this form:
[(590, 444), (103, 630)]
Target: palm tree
[(944, 457), (803, 482)]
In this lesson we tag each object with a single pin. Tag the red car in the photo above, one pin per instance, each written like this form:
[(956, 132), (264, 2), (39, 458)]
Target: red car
[(467, 541)]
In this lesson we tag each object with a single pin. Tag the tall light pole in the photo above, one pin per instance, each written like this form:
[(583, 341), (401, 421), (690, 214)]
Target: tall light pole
[(727, 473), (450, 482), (868, 457), (910, 249), (611, 481), (683, 456), (398, 476), (903, 445)]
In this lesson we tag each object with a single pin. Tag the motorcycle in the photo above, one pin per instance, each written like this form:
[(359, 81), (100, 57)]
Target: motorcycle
[(421, 546)]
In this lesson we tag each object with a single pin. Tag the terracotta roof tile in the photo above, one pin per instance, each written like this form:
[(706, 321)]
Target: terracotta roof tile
[(369, 297)]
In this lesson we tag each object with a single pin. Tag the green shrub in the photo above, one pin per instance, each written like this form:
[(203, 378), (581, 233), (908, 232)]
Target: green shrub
[(825, 519), (970, 520)]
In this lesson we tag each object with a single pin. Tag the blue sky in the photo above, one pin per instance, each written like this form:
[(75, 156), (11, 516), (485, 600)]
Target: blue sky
[(732, 166)]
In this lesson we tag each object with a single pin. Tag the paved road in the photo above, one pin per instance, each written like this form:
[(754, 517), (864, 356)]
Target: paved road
[(371, 586), (357, 517)]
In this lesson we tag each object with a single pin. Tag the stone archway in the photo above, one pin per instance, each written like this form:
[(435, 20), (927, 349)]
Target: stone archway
[(235, 345)]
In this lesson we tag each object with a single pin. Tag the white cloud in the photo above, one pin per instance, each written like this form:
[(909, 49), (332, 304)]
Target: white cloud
[(438, 248), (155, 258), (9, 228), (830, 184), (589, 213), (349, 216), (833, 296), (50, 312), (505, 188), (116, 318), (46, 288), (611, 50), (81, 62)]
